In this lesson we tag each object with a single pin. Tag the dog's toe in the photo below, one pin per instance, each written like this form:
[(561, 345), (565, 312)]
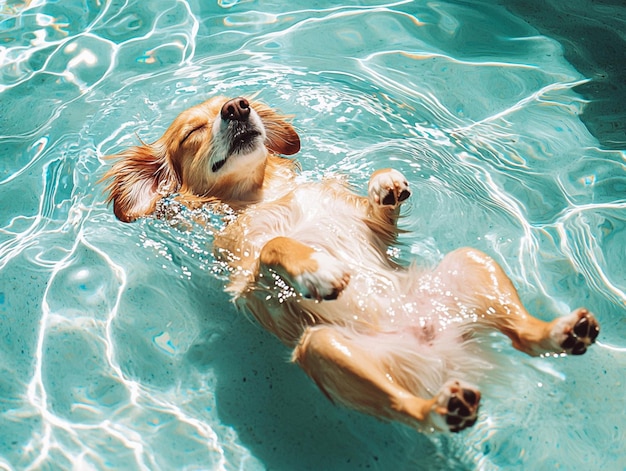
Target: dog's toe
[(389, 199), (404, 194)]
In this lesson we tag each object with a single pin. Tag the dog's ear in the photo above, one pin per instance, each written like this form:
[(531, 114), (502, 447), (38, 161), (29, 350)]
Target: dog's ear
[(138, 180), (281, 138)]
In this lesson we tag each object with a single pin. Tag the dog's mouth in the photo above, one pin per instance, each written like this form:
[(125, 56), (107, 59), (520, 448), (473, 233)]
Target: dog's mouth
[(242, 139)]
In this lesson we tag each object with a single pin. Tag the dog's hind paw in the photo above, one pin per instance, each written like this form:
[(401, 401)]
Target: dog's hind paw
[(388, 187), (576, 332), (325, 283), (458, 403)]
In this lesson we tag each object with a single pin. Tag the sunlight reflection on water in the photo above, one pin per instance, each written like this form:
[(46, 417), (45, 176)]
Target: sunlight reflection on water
[(120, 349)]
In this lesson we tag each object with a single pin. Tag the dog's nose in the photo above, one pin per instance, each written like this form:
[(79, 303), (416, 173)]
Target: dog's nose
[(237, 109)]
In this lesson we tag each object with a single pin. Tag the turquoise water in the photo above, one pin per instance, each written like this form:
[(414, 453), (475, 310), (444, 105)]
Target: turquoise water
[(119, 349)]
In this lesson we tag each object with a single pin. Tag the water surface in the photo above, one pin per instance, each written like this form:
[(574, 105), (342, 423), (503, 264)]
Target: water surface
[(119, 348)]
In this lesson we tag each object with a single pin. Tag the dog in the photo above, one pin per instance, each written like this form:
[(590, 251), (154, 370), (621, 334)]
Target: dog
[(310, 262)]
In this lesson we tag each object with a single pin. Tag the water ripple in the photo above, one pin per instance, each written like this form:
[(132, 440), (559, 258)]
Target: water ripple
[(120, 349)]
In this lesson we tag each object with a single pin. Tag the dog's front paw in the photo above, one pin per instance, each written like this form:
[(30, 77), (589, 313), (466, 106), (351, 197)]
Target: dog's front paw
[(324, 283), (458, 403), (576, 332), (388, 187)]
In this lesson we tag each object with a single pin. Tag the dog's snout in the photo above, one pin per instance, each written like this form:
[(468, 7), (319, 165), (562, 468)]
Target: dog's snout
[(237, 109)]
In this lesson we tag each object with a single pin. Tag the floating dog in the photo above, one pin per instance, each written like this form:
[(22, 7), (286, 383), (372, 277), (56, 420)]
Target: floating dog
[(309, 260)]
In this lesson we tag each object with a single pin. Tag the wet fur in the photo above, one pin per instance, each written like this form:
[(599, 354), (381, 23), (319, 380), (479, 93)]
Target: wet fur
[(309, 261)]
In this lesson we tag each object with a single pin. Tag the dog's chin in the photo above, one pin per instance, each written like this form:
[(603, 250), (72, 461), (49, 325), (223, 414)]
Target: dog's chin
[(245, 148)]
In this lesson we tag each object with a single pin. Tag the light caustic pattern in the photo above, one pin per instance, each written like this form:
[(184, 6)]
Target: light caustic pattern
[(119, 348)]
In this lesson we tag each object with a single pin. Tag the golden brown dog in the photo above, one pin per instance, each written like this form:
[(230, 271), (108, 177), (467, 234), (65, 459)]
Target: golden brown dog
[(309, 261)]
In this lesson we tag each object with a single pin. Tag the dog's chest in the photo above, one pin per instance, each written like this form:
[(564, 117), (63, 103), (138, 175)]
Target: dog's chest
[(326, 217)]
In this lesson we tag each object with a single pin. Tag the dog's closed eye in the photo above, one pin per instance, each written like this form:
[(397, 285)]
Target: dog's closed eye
[(188, 135)]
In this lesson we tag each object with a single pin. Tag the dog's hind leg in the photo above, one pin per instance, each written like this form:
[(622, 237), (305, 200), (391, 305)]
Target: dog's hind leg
[(314, 274), (480, 285), (356, 377)]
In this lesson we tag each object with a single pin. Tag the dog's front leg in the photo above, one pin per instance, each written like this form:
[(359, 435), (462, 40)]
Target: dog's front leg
[(315, 275), (387, 190)]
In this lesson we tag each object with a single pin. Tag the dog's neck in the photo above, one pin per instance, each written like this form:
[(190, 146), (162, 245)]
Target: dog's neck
[(266, 182), (279, 178)]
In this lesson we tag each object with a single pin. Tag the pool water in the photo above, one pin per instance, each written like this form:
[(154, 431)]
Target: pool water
[(118, 347)]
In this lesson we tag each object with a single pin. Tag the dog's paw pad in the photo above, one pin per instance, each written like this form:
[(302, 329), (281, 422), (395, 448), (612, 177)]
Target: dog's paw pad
[(459, 405), (327, 282), (578, 331), (388, 188)]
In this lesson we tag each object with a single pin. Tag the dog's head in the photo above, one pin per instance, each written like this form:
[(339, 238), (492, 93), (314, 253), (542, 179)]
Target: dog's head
[(218, 149)]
